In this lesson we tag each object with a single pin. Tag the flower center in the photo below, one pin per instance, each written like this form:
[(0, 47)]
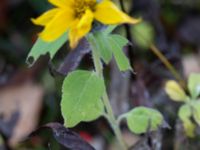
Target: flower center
[(81, 6)]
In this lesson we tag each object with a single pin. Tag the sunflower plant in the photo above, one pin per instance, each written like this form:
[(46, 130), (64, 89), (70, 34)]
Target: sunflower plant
[(84, 94)]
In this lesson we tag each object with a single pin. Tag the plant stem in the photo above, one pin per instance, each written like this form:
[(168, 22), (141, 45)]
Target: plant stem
[(113, 122), (168, 65), (109, 111), (166, 62), (157, 52)]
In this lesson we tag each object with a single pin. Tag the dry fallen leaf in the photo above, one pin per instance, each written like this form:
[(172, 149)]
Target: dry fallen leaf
[(26, 99), (191, 64)]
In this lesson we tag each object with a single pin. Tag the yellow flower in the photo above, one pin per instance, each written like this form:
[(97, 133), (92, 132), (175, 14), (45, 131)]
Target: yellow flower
[(76, 16)]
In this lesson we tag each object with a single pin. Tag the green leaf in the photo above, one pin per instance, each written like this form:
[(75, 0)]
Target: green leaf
[(196, 111), (108, 45), (143, 34), (103, 46), (185, 113), (175, 92), (117, 44), (81, 97), (141, 119), (110, 29), (194, 85), (41, 48), (189, 128)]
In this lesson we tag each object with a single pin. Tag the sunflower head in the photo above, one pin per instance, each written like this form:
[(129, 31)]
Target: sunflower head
[(76, 17), (82, 5)]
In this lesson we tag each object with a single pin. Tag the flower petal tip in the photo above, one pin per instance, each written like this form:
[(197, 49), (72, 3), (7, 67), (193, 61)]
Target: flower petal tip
[(33, 20), (36, 22), (135, 21), (73, 45)]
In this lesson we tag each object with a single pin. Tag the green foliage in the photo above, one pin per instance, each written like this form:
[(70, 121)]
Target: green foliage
[(194, 85), (102, 44), (109, 45), (41, 48), (142, 119), (196, 111), (81, 97), (185, 113), (175, 92), (191, 108), (110, 29), (104, 49), (143, 34), (117, 43)]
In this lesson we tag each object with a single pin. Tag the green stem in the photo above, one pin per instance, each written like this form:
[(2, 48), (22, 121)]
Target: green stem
[(166, 62), (120, 118), (109, 111), (168, 65)]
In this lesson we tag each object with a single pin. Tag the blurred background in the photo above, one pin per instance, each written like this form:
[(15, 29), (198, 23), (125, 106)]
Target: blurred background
[(30, 96)]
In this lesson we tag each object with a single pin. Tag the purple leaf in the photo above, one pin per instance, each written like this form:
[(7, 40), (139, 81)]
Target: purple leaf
[(73, 59), (66, 137)]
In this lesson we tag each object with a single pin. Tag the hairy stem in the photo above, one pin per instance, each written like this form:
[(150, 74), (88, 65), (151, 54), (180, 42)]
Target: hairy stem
[(109, 111)]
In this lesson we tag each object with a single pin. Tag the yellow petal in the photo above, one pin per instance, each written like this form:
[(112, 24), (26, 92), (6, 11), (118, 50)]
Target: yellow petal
[(80, 28), (57, 26), (73, 38), (46, 17), (108, 13), (61, 3)]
